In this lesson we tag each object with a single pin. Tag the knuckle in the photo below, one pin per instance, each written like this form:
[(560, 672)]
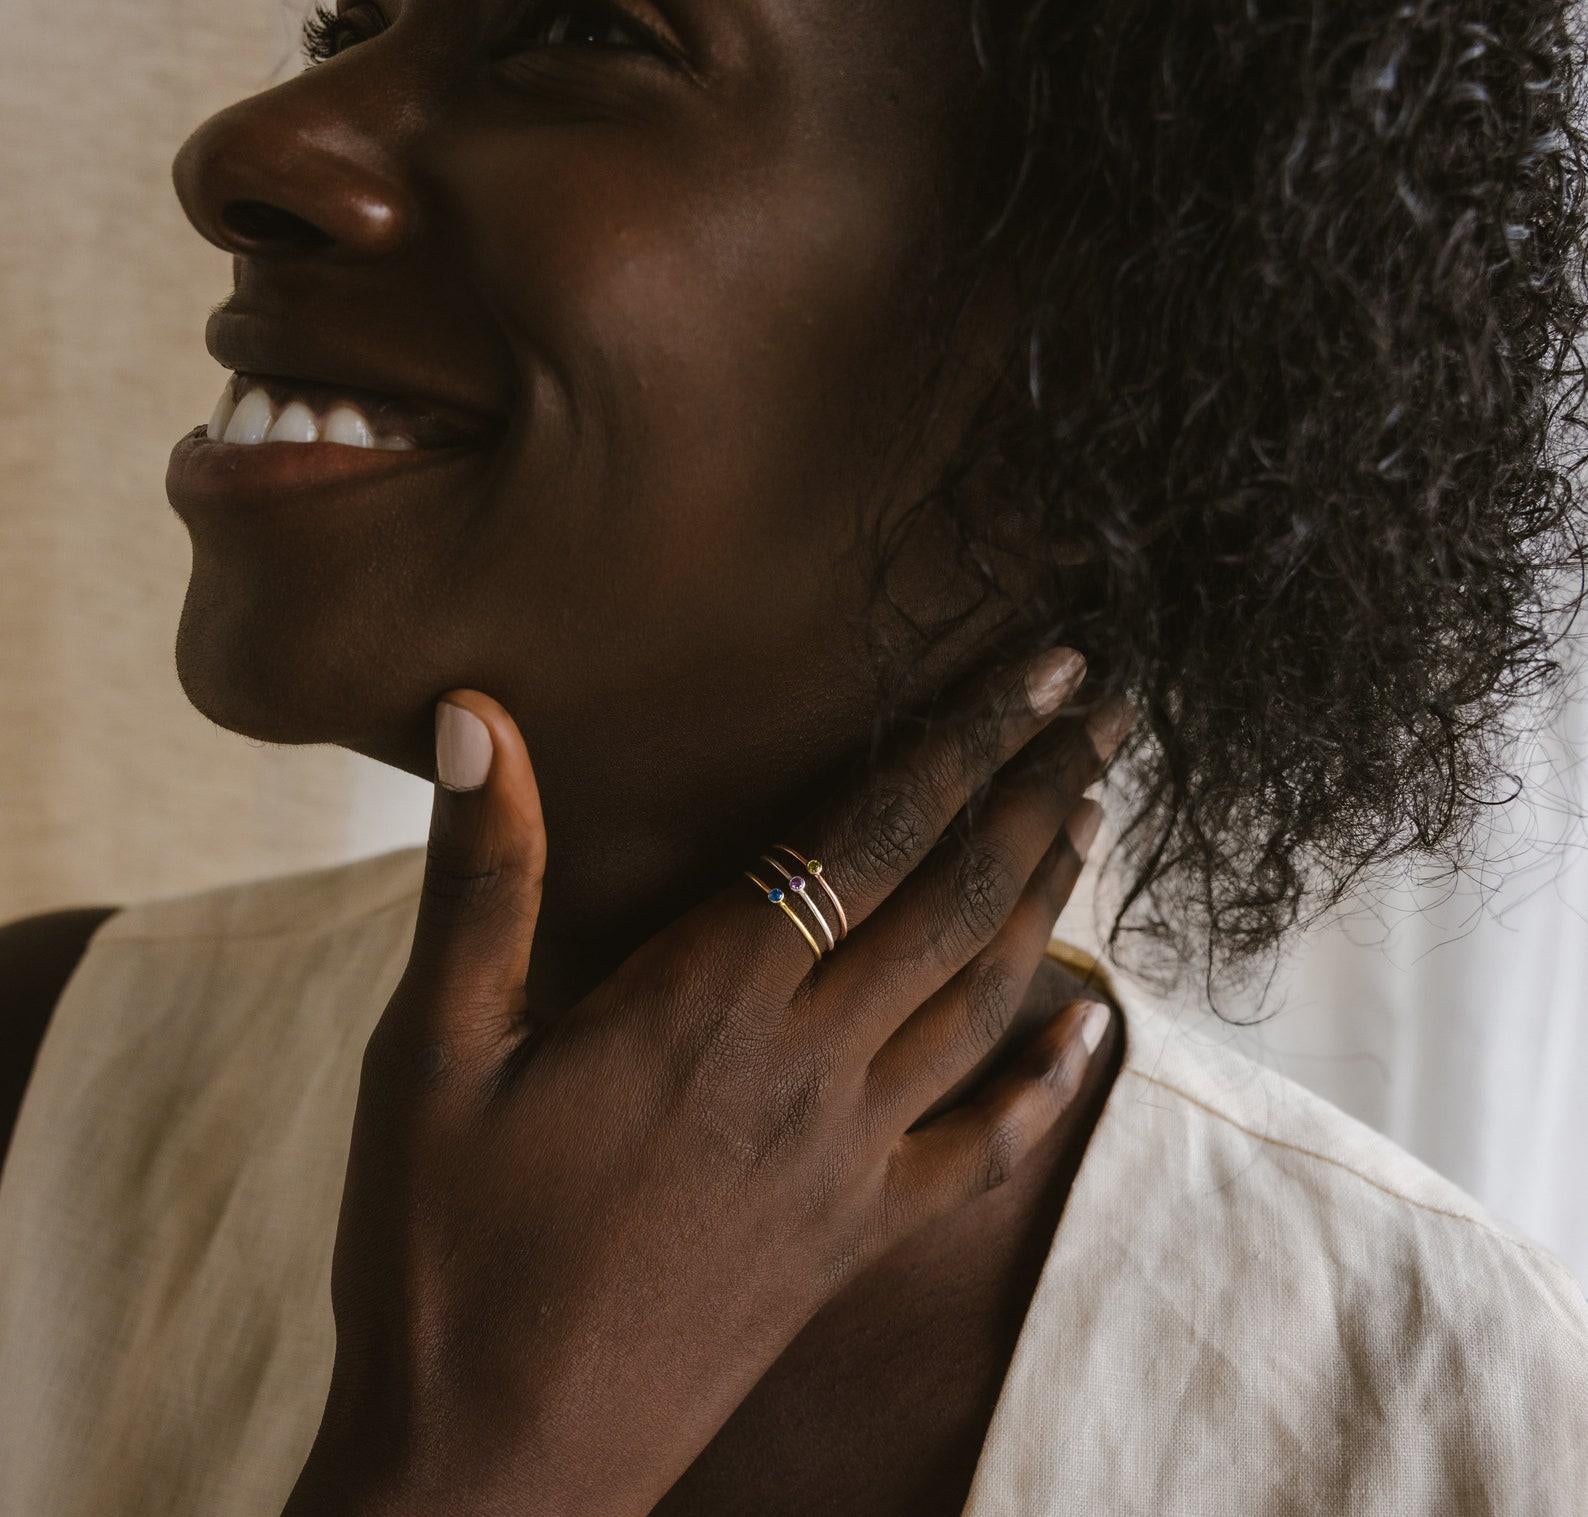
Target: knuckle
[(758, 974), (403, 1065), (892, 830), (985, 889), (380, 1067), (990, 998), (459, 883), (999, 1152), (691, 969)]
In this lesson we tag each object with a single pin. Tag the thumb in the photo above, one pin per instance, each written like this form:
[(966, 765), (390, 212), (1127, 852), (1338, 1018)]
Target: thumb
[(484, 869)]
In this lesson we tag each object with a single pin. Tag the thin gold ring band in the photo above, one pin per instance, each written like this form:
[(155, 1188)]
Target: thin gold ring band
[(787, 911), (804, 895), (813, 870)]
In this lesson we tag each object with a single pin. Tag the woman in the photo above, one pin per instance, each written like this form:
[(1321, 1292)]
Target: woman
[(715, 442)]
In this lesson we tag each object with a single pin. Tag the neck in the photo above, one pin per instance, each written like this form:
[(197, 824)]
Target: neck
[(621, 867), (633, 843), (648, 814)]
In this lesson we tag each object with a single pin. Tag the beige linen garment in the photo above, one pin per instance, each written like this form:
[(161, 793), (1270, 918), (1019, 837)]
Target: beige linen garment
[(1252, 1304)]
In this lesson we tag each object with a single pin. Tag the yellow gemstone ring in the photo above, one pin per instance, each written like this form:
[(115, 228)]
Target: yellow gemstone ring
[(796, 885), (813, 870)]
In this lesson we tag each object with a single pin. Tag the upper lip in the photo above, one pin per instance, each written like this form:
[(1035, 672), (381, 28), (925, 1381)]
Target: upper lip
[(251, 344)]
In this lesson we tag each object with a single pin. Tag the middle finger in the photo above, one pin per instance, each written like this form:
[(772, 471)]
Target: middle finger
[(956, 901)]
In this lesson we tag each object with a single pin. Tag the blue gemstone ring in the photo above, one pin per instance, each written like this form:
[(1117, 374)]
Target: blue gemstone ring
[(797, 885), (776, 897), (812, 870)]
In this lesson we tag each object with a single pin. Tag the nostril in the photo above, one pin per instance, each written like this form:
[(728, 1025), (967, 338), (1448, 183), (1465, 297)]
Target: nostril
[(266, 225)]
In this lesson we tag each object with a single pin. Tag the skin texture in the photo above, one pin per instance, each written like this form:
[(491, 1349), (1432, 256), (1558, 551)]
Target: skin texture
[(697, 306), (693, 298), (571, 1245)]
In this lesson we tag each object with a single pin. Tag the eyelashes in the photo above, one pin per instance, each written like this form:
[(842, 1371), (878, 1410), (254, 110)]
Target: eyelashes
[(591, 26), (322, 29)]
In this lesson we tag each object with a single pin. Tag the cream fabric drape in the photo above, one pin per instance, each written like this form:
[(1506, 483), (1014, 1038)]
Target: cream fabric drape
[(1253, 1306), (1453, 1015), (1461, 1035), (112, 787)]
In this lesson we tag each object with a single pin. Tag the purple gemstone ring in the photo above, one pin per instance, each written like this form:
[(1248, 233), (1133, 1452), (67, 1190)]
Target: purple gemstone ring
[(813, 871), (796, 883)]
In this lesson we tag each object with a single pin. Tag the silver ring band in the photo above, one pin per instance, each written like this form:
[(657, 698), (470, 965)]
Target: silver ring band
[(813, 871), (804, 895)]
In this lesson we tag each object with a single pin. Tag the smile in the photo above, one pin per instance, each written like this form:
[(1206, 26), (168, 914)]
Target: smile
[(255, 409), (278, 444)]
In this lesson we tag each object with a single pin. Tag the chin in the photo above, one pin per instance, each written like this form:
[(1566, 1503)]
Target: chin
[(258, 665)]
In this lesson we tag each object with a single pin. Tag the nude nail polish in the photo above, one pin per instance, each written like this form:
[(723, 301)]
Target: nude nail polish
[(463, 748), (1052, 677)]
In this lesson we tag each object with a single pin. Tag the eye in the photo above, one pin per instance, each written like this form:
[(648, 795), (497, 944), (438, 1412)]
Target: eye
[(589, 25), (325, 32), (594, 24)]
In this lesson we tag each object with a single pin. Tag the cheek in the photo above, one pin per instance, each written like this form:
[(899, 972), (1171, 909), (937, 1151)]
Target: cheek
[(710, 345)]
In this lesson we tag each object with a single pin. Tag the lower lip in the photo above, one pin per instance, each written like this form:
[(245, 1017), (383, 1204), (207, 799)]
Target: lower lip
[(249, 476)]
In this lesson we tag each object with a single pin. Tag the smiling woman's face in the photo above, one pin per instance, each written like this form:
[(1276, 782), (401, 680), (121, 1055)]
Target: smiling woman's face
[(672, 253)]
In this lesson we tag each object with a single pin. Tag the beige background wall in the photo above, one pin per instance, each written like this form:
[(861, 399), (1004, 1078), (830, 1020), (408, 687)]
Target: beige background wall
[(112, 787)]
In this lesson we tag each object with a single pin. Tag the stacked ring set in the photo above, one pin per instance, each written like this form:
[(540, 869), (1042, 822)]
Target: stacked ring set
[(799, 888)]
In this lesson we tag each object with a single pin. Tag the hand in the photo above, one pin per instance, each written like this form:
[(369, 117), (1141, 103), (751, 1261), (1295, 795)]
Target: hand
[(566, 1253)]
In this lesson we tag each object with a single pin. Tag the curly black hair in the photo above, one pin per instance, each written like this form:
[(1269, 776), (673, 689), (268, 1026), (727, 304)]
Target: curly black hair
[(1297, 371)]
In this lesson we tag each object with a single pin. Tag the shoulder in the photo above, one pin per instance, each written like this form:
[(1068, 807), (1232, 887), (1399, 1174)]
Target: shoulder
[(305, 902), (173, 941), (38, 955), (1344, 1276)]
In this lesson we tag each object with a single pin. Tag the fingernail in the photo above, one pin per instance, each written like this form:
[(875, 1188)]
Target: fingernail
[(1051, 677), (1107, 725), (1082, 827), (1093, 1025), (463, 748)]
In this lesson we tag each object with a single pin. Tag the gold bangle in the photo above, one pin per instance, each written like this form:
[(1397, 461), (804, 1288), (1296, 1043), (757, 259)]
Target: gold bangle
[(776, 898)]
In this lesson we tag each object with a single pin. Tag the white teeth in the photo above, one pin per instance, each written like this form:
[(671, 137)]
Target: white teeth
[(297, 423), (251, 420), (223, 414), (345, 425)]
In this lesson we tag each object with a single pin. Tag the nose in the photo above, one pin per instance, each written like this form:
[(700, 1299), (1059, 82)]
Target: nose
[(282, 174)]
